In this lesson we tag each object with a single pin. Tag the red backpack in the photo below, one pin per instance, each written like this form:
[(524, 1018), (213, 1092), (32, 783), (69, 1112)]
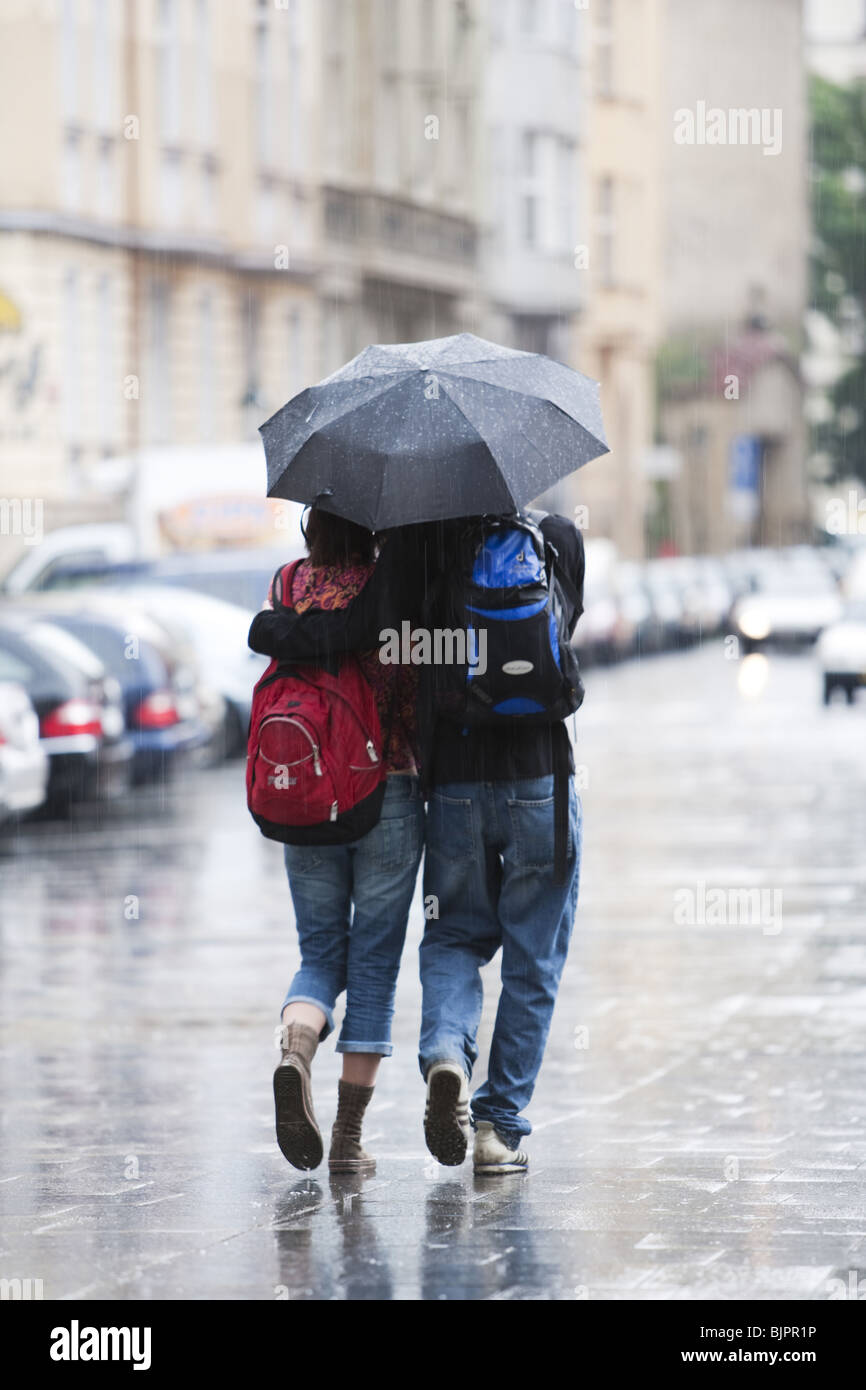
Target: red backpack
[(315, 771)]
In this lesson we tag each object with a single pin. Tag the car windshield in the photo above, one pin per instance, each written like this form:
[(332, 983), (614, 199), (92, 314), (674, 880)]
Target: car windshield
[(799, 583), (110, 644), (245, 588), (63, 647)]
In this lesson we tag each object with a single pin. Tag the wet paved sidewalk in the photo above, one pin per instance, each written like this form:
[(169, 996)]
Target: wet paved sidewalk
[(700, 1123)]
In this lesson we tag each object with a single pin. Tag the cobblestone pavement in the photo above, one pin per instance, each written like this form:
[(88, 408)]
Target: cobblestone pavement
[(700, 1122)]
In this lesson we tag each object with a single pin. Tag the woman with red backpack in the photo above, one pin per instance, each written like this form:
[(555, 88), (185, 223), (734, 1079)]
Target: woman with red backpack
[(351, 899)]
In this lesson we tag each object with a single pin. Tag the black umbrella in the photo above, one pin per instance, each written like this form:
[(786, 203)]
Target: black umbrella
[(411, 432)]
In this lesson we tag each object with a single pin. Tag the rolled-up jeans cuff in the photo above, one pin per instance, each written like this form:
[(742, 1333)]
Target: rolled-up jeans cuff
[(383, 1049), (308, 999), (427, 1062)]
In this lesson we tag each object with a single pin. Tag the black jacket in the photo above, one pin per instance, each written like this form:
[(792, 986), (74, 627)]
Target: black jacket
[(409, 561)]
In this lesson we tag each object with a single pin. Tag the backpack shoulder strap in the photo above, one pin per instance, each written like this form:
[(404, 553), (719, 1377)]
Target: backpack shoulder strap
[(281, 584)]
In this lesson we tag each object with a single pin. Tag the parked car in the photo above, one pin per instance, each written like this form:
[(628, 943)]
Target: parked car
[(709, 594), (670, 626), (789, 607), (217, 631), (159, 697), (81, 722), (596, 637), (96, 544), (239, 577), (841, 652), (635, 609), (23, 760), (854, 583)]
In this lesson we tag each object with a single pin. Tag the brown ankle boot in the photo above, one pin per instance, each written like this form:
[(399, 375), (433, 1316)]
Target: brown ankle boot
[(298, 1135), (346, 1154)]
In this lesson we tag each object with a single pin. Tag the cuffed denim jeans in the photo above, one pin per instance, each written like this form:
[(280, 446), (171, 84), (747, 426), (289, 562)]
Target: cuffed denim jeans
[(489, 863), (351, 905)]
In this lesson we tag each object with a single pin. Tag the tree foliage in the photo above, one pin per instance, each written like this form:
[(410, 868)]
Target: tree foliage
[(838, 260)]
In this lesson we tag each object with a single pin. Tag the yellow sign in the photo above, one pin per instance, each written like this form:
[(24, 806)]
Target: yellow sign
[(10, 314)]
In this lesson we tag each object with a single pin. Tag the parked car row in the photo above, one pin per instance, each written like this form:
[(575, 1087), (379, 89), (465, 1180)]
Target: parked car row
[(637, 609), (105, 688), (116, 673), (799, 597)]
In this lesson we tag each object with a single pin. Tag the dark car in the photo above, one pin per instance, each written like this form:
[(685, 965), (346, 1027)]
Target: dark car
[(78, 704), (160, 706)]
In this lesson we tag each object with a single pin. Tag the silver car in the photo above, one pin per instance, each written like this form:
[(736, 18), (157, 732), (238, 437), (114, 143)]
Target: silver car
[(23, 760)]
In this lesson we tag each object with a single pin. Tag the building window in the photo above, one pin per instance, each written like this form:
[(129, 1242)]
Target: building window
[(604, 48), (250, 349), (567, 18), (387, 143), (69, 87), (264, 97), (208, 202), (462, 153), (531, 18), (296, 373), (103, 83), (427, 36), (389, 46), (108, 385), (106, 179), (566, 177), (168, 68), (337, 39), (530, 194), (72, 360), (204, 75), (72, 170), (547, 191), (156, 387), (294, 105), (171, 179), (266, 209), (206, 369), (533, 332), (606, 231)]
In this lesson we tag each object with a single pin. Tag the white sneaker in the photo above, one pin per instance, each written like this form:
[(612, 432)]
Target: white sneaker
[(490, 1155), (446, 1115)]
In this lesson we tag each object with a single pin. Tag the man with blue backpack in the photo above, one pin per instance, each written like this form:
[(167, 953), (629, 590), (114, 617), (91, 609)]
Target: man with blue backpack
[(503, 831), (503, 827)]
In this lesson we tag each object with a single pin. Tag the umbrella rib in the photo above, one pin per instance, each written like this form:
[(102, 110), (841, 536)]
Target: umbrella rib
[(532, 445), (338, 419), (587, 434)]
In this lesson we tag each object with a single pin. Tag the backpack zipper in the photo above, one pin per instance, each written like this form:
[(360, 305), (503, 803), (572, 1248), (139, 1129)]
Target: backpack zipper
[(314, 747), (279, 674)]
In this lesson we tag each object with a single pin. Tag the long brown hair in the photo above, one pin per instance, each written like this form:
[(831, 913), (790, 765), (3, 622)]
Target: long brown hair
[(332, 540)]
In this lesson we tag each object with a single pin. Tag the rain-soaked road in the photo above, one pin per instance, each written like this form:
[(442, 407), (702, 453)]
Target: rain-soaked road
[(700, 1123)]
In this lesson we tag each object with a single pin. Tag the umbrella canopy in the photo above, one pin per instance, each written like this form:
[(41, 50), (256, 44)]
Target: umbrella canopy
[(411, 432)]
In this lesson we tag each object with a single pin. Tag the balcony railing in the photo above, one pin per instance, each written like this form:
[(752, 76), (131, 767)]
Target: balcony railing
[(371, 219)]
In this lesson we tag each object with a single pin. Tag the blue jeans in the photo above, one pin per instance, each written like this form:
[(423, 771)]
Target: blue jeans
[(490, 865), (351, 905)]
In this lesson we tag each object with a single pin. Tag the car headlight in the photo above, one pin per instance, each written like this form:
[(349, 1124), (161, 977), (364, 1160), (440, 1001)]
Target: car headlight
[(754, 623)]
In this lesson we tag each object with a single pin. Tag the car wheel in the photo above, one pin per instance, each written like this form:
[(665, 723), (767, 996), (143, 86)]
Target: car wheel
[(234, 736)]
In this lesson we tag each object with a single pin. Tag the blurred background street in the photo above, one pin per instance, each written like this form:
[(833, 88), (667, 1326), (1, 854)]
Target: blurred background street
[(207, 208)]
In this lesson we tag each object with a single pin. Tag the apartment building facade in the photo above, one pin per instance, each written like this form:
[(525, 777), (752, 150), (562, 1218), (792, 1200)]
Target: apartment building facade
[(209, 207)]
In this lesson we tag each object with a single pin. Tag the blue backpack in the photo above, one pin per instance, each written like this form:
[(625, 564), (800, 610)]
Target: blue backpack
[(506, 594)]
